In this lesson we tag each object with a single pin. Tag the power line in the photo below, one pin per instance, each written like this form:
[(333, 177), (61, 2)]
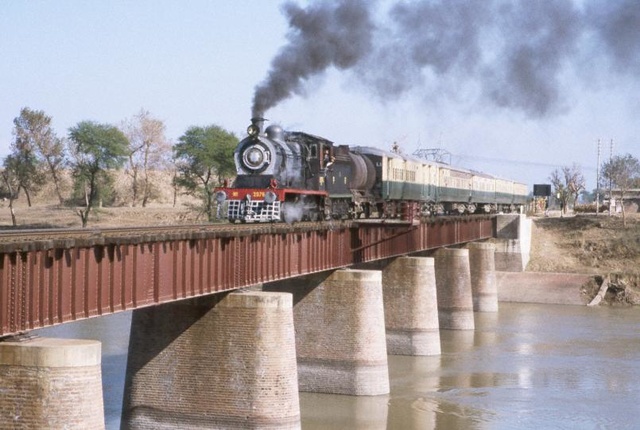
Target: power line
[(518, 162)]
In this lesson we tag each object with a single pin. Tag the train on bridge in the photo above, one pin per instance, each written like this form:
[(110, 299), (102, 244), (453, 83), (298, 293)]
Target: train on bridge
[(291, 176)]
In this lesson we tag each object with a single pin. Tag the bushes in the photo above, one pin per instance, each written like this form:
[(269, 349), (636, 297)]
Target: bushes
[(587, 208)]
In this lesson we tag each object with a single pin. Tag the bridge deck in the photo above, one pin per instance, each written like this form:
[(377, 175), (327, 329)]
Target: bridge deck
[(52, 282)]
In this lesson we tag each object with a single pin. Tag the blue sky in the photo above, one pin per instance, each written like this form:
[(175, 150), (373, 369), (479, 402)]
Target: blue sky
[(198, 62)]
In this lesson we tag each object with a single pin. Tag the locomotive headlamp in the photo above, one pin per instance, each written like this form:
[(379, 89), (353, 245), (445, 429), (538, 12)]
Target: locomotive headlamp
[(253, 130), (270, 197), (221, 196)]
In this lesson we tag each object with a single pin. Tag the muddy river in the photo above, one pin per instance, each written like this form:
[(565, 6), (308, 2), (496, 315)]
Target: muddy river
[(528, 366)]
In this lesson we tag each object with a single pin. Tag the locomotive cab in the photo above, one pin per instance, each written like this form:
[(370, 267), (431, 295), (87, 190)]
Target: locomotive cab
[(319, 156)]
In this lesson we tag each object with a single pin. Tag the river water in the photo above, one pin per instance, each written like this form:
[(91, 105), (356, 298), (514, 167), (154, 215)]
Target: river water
[(527, 366)]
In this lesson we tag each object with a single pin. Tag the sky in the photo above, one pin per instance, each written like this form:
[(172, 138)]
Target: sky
[(516, 89)]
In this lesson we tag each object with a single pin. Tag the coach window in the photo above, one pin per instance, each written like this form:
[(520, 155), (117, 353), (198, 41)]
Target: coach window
[(314, 151)]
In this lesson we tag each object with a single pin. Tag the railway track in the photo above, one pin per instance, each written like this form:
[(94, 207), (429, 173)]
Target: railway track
[(27, 240)]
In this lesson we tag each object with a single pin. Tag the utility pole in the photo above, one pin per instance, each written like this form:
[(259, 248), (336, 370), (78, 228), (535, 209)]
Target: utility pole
[(610, 179), (598, 181)]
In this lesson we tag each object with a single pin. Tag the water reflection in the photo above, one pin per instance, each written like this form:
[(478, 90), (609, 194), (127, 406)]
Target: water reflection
[(325, 411), (527, 366), (408, 376)]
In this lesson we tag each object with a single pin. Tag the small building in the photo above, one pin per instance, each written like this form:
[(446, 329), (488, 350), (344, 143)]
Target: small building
[(631, 200)]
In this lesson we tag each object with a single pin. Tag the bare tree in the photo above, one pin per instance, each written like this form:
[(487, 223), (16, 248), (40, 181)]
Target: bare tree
[(623, 173), (11, 183), (574, 180), (37, 147), (149, 153), (567, 183)]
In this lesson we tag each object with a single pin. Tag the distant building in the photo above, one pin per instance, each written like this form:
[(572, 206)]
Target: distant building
[(631, 200)]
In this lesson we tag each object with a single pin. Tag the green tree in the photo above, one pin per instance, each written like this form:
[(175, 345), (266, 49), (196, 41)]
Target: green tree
[(35, 136), (96, 149), (621, 173), (204, 157)]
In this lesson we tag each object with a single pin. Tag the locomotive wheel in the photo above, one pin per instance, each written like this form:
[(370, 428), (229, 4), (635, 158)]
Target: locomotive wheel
[(367, 211), (314, 216)]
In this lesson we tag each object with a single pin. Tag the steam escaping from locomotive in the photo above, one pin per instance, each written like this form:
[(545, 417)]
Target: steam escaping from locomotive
[(293, 212), (514, 54)]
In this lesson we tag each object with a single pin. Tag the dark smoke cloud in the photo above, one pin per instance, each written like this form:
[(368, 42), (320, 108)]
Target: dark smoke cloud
[(328, 33), (617, 25), (540, 37), (514, 52), (424, 39)]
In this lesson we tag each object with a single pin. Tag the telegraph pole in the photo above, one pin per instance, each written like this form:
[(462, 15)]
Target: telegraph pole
[(598, 181), (610, 179)]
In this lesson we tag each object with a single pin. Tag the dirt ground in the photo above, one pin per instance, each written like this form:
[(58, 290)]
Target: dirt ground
[(591, 245), (45, 211), (585, 244), (55, 216)]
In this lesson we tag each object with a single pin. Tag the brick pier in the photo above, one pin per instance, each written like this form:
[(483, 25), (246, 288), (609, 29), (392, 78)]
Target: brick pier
[(50, 383), (222, 362)]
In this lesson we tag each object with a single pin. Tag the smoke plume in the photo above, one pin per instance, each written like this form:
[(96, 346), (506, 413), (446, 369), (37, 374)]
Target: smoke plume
[(515, 53), (333, 33)]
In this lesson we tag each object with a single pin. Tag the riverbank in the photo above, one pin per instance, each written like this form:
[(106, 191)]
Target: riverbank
[(572, 255)]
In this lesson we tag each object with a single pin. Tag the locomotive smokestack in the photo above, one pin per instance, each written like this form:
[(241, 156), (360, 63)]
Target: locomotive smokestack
[(258, 122)]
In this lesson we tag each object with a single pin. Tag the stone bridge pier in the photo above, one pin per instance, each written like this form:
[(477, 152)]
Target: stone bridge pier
[(453, 282), (411, 306), (48, 383), (226, 361), (482, 268), (340, 335)]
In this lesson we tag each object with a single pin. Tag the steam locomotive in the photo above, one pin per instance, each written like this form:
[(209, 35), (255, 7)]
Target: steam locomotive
[(291, 176)]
